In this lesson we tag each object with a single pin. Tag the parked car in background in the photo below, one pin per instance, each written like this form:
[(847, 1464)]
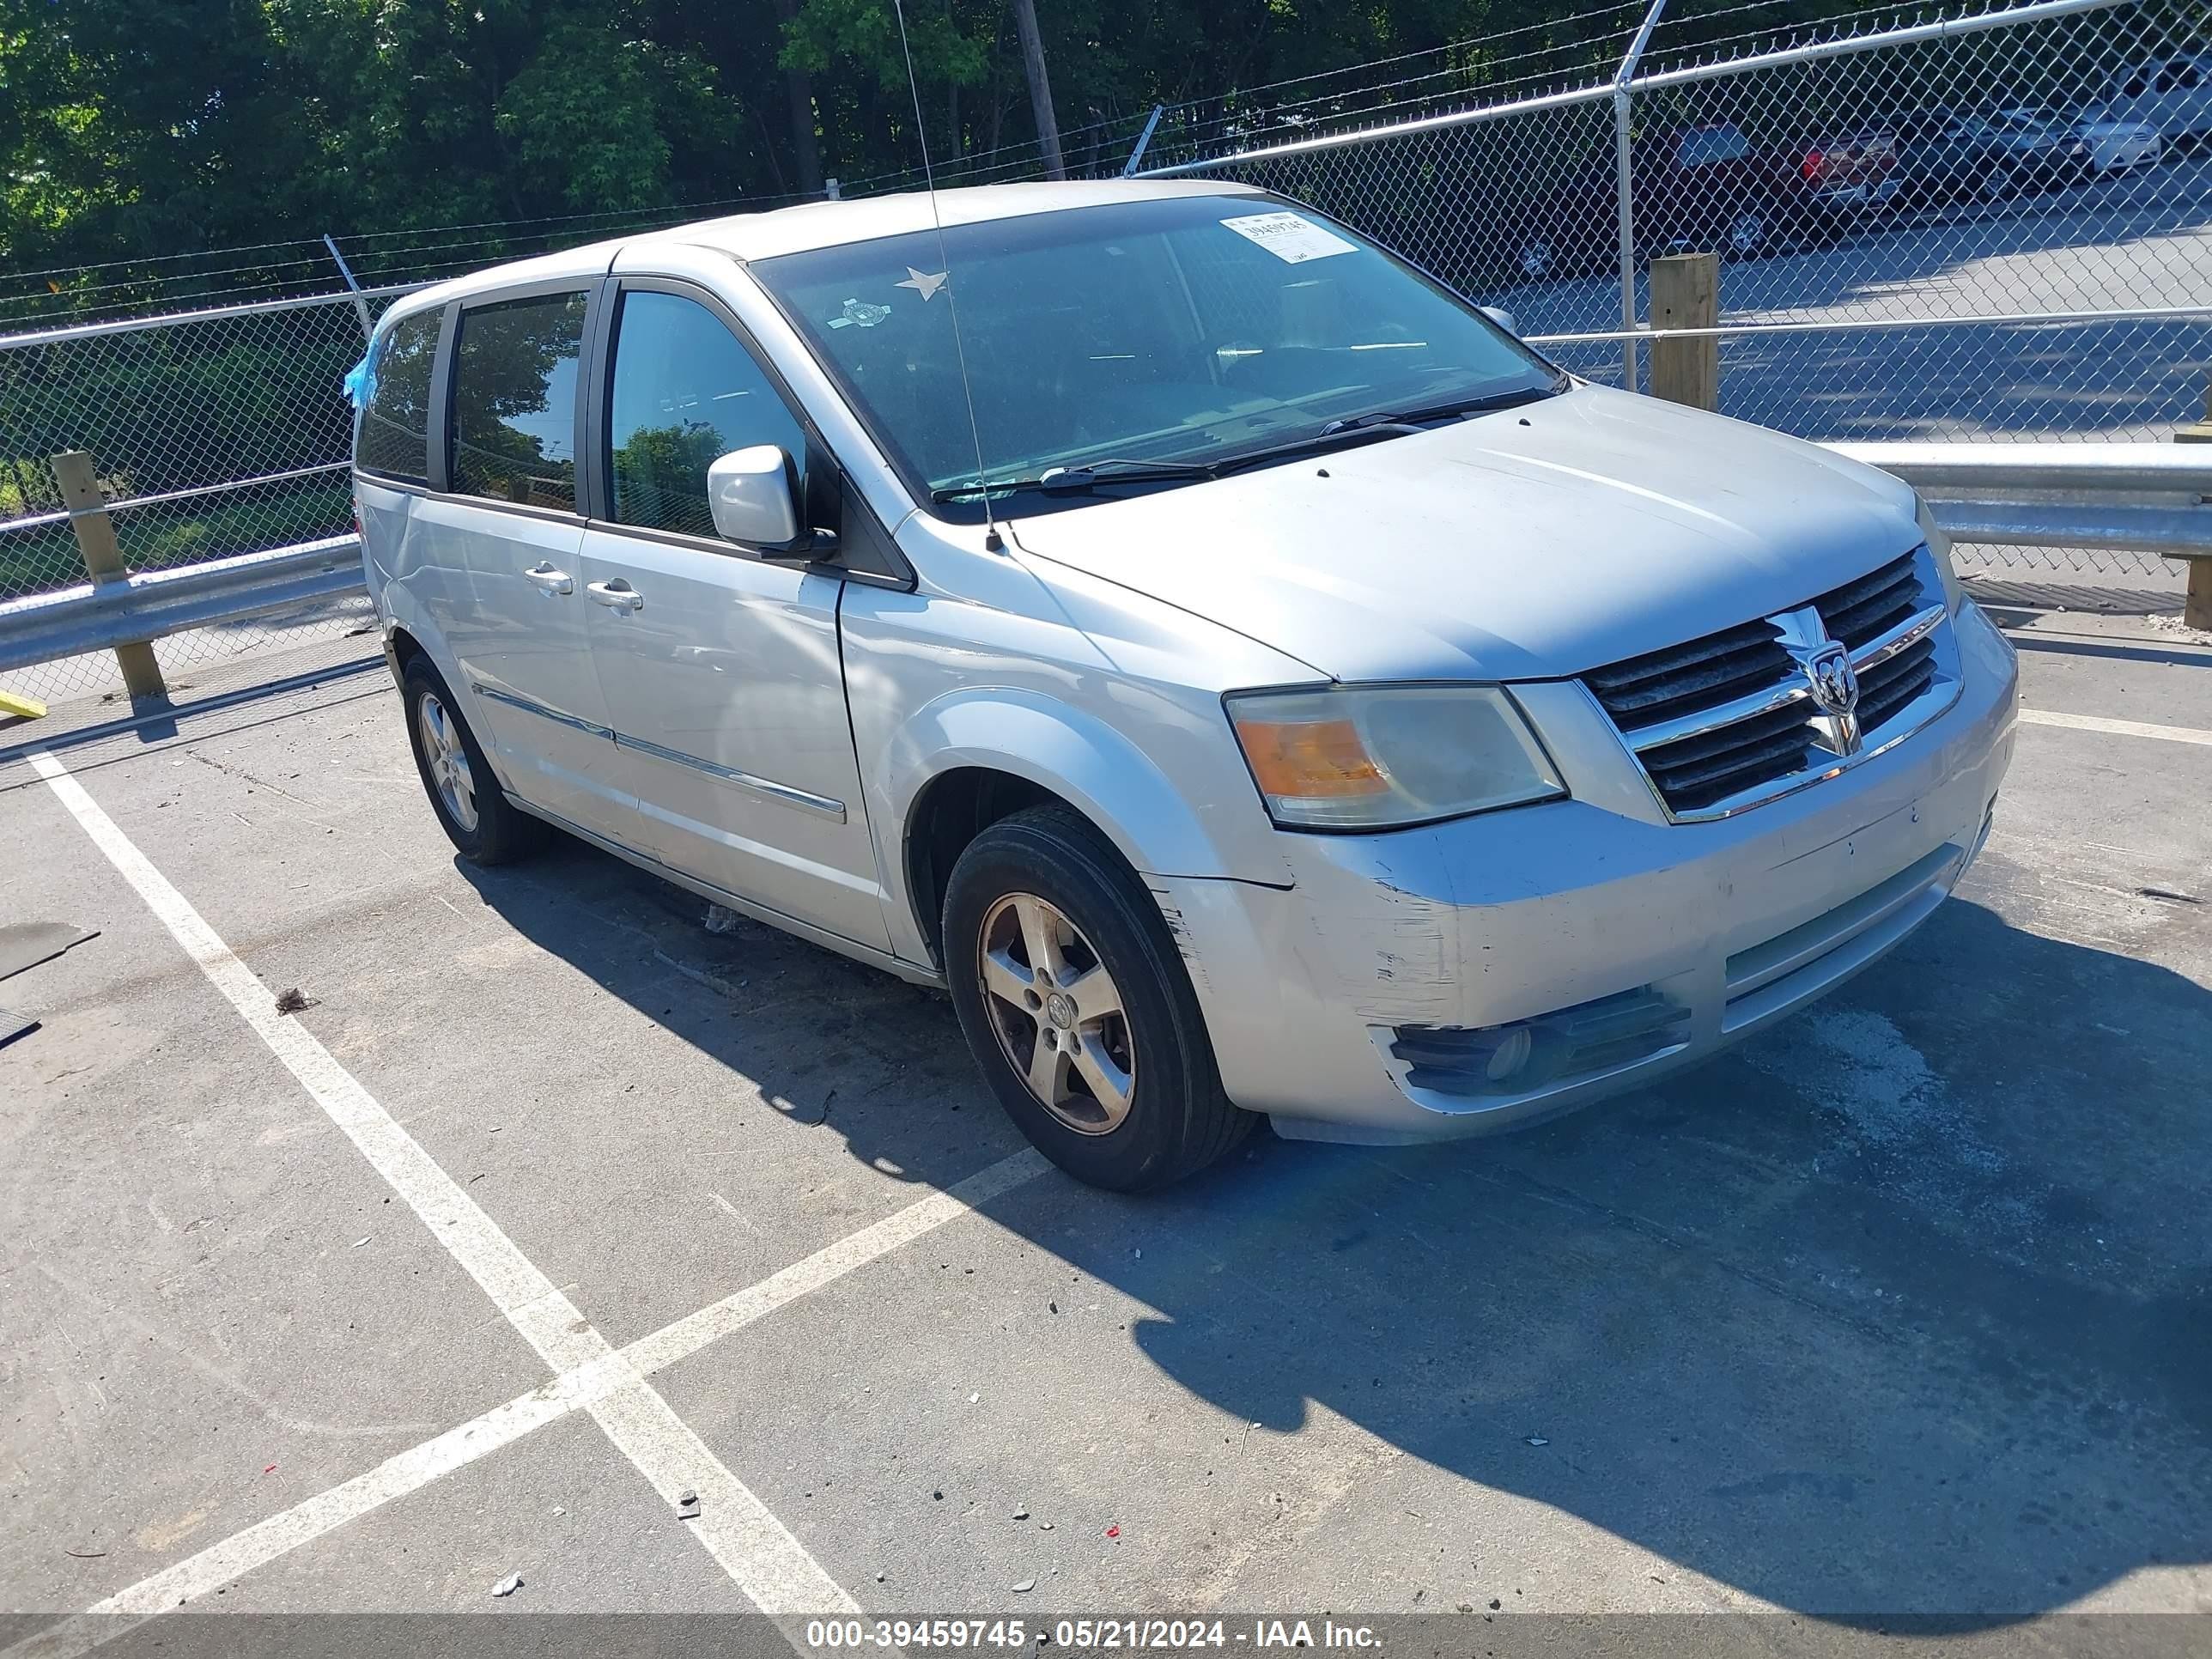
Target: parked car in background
[(1945, 155), (2038, 145), (2173, 94), (1704, 187), (2105, 145), (1243, 675)]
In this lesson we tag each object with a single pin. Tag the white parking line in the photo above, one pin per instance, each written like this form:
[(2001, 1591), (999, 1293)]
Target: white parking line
[(223, 1563), (759, 1553), (2115, 728)]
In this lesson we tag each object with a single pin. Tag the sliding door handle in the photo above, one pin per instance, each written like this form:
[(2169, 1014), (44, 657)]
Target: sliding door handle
[(617, 595)]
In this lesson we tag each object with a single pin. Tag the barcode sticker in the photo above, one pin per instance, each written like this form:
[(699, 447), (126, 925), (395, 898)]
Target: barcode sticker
[(1289, 238)]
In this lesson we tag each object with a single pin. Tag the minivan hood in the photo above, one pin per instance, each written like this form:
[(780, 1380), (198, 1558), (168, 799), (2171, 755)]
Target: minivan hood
[(1527, 543)]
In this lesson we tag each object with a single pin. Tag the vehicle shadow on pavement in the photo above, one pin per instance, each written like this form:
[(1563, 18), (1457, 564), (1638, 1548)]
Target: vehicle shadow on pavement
[(1899, 1308)]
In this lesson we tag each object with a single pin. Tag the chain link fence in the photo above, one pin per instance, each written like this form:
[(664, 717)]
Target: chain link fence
[(1995, 226), (213, 433), (1989, 228)]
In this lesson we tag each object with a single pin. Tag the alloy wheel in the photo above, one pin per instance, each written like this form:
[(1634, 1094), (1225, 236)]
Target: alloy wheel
[(1057, 1013), (447, 762)]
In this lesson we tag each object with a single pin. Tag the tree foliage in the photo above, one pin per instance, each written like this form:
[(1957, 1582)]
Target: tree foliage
[(145, 128)]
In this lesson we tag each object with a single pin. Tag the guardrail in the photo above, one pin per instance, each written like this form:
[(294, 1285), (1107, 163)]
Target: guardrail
[(2144, 497), (2131, 497), (119, 612)]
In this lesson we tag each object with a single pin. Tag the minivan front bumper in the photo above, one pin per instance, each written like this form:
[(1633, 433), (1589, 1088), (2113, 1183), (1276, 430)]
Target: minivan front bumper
[(1378, 997)]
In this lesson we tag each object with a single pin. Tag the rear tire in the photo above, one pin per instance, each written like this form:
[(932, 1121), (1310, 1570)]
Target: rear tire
[(1067, 981), (465, 793)]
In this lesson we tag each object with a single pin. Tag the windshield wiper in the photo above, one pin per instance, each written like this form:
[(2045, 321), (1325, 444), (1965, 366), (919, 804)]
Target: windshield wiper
[(1410, 420), (1076, 480)]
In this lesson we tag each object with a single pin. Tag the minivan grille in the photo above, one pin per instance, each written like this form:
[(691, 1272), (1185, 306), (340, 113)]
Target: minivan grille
[(1727, 719), (1862, 611)]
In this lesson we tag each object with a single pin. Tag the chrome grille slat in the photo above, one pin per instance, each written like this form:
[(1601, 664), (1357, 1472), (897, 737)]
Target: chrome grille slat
[(1862, 610), (1729, 721)]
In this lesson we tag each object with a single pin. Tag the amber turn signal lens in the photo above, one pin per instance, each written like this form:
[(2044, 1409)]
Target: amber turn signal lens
[(1309, 759)]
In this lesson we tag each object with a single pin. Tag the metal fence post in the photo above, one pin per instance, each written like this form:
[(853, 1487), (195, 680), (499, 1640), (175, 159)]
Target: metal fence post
[(1144, 139), (360, 305), (103, 561), (1623, 189)]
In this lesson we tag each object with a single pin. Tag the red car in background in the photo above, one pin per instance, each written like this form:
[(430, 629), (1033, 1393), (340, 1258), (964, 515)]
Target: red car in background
[(1706, 188)]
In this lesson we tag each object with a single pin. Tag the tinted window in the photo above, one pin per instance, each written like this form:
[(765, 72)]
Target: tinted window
[(1707, 146), (395, 426), (514, 400), (684, 392)]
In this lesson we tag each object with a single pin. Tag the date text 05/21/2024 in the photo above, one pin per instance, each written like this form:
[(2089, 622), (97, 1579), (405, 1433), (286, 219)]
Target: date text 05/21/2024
[(1132, 1631)]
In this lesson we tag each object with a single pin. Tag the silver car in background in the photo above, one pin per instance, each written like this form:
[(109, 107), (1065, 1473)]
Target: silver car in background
[(1241, 674)]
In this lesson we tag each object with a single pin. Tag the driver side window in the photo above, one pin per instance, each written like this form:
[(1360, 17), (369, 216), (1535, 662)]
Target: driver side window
[(684, 392)]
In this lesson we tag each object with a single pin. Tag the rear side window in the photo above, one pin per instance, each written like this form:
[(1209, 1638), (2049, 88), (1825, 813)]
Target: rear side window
[(684, 392), (1707, 146), (514, 400), (395, 424)]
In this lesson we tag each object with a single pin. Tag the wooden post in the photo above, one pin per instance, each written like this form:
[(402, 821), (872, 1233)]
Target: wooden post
[(103, 560), (2196, 608), (1685, 293)]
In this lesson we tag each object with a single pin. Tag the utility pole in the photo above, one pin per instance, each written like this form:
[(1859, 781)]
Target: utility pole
[(799, 95), (1040, 88)]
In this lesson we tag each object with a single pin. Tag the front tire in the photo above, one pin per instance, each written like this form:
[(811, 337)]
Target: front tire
[(1078, 1008), (463, 792)]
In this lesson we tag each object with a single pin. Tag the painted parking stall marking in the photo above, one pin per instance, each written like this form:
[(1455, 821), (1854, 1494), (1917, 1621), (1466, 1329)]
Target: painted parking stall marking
[(2115, 728), (756, 1549)]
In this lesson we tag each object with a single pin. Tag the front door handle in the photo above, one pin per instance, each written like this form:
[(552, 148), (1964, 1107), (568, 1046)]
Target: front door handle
[(617, 595), (544, 578)]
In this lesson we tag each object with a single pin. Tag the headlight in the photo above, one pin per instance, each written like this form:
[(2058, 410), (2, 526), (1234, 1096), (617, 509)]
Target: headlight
[(1939, 545), (1383, 757)]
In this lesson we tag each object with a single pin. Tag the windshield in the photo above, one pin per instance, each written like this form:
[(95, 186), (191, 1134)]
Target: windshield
[(1184, 330)]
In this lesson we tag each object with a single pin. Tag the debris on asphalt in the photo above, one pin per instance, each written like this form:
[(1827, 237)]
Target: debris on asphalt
[(973, 1398), (687, 1506), (1022, 1514), (1052, 1307), (508, 1585), (938, 1496), (1538, 1440), (358, 1242), (1044, 1525), (293, 1001), (879, 1578), (1113, 1531), (88, 1555), (1025, 1587), (271, 1469), (722, 920), (1495, 1604)]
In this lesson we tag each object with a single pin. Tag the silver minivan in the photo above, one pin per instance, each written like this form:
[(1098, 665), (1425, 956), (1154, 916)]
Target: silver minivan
[(1241, 674)]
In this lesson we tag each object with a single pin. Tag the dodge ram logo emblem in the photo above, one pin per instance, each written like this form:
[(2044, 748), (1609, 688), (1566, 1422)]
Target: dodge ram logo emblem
[(1835, 683)]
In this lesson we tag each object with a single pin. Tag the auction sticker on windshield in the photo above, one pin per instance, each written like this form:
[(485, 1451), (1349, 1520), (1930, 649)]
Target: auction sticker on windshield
[(1287, 236)]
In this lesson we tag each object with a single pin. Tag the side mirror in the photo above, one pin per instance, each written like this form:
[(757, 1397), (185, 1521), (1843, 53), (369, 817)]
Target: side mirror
[(1503, 318), (754, 495)]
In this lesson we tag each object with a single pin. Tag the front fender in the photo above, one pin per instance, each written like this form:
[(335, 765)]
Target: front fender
[(1078, 756)]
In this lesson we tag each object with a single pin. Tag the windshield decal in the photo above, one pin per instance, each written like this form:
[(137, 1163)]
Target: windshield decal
[(1290, 237), (923, 282), (858, 313)]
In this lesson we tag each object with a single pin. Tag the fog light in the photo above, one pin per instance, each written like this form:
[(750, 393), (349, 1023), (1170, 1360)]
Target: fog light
[(1512, 1054)]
